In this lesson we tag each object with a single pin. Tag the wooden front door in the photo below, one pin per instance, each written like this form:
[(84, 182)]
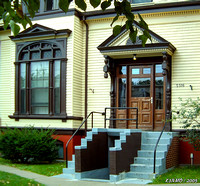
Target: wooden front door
[(140, 86), (141, 95)]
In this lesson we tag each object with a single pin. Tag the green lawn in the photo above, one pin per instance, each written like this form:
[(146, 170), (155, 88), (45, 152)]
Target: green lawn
[(184, 174), (14, 180), (44, 169)]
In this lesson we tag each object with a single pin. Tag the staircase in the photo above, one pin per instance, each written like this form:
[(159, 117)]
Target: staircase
[(141, 171), (143, 164)]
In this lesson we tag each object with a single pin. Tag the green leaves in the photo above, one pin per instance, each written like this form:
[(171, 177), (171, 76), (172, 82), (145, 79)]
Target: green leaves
[(64, 5), (14, 27), (133, 35), (117, 30), (105, 5), (12, 14), (81, 4), (95, 3)]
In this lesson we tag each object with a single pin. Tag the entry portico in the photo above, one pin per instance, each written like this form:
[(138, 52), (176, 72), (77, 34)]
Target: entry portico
[(143, 82)]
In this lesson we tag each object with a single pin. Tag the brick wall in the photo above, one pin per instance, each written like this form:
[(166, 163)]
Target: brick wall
[(172, 159)]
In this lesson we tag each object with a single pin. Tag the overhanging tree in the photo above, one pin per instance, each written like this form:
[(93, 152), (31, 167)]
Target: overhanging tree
[(12, 14)]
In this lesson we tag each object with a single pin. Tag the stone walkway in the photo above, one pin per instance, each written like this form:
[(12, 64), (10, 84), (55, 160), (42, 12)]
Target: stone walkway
[(52, 181)]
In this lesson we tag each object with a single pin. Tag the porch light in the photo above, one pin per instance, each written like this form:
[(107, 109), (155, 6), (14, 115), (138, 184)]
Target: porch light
[(134, 57)]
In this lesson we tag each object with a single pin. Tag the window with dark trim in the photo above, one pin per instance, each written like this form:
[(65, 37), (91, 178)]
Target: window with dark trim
[(40, 79), (50, 5), (140, 1), (45, 6)]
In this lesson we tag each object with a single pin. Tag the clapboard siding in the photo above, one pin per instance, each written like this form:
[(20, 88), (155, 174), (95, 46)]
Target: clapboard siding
[(100, 99), (77, 69)]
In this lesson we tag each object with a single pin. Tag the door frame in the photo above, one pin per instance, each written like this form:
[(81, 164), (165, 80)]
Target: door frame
[(166, 66)]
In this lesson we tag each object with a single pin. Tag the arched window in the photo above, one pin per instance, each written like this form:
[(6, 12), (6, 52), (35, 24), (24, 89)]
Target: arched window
[(41, 79)]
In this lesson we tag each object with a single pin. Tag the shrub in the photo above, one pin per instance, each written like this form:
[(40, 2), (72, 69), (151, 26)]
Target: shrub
[(188, 115), (23, 145)]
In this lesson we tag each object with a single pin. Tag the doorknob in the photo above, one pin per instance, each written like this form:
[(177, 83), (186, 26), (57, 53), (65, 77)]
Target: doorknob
[(151, 100)]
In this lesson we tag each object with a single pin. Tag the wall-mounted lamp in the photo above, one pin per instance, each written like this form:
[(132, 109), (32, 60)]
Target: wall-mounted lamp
[(191, 87), (134, 57)]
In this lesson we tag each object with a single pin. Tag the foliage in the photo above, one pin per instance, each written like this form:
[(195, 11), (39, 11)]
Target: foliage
[(14, 180), (185, 174), (47, 169), (28, 144), (188, 115), (11, 12)]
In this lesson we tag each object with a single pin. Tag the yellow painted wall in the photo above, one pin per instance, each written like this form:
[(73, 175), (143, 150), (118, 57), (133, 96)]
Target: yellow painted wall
[(90, 7), (7, 77), (182, 30), (179, 28)]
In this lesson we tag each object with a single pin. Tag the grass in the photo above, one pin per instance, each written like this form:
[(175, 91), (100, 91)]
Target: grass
[(43, 169), (186, 174), (12, 179)]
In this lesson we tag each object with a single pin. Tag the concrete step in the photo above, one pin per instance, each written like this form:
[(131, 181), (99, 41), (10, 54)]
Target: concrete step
[(148, 161), (154, 140), (150, 153), (140, 175), (65, 176), (71, 164), (157, 134), (145, 168), (68, 171), (151, 147)]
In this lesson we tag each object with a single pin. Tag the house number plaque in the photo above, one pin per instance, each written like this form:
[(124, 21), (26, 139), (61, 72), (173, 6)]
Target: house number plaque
[(180, 85)]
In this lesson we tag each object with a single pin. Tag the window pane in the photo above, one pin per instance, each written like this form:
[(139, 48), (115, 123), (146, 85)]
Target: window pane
[(35, 55), (122, 92), (23, 88), (122, 70), (24, 56), (140, 1), (51, 4), (146, 70), (39, 74), (40, 87), (57, 53), (40, 110), (57, 87), (159, 68), (159, 92), (40, 100), (47, 54), (140, 87), (135, 71)]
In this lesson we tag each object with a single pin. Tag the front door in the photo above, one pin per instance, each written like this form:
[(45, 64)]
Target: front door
[(140, 86)]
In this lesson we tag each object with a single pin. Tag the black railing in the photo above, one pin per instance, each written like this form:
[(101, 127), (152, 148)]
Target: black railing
[(91, 113), (119, 119), (154, 160)]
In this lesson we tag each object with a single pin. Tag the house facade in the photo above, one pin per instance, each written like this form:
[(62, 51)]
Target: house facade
[(68, 65)]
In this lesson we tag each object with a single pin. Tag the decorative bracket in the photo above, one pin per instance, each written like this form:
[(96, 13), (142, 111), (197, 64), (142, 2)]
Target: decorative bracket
[(108, 67), (165, 64)]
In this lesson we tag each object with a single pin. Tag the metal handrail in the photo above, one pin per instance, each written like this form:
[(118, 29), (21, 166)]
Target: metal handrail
[(117, 119), (154, 160), (79, 129)]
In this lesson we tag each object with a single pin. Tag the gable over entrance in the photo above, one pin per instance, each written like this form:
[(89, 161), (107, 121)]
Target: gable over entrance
[(121, 46), (143, 82)]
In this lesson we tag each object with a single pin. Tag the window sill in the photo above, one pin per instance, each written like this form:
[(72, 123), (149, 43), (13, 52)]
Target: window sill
[(61, 117)]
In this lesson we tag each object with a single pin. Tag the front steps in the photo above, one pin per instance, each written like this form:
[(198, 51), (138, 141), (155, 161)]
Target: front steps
[(141, 171)]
